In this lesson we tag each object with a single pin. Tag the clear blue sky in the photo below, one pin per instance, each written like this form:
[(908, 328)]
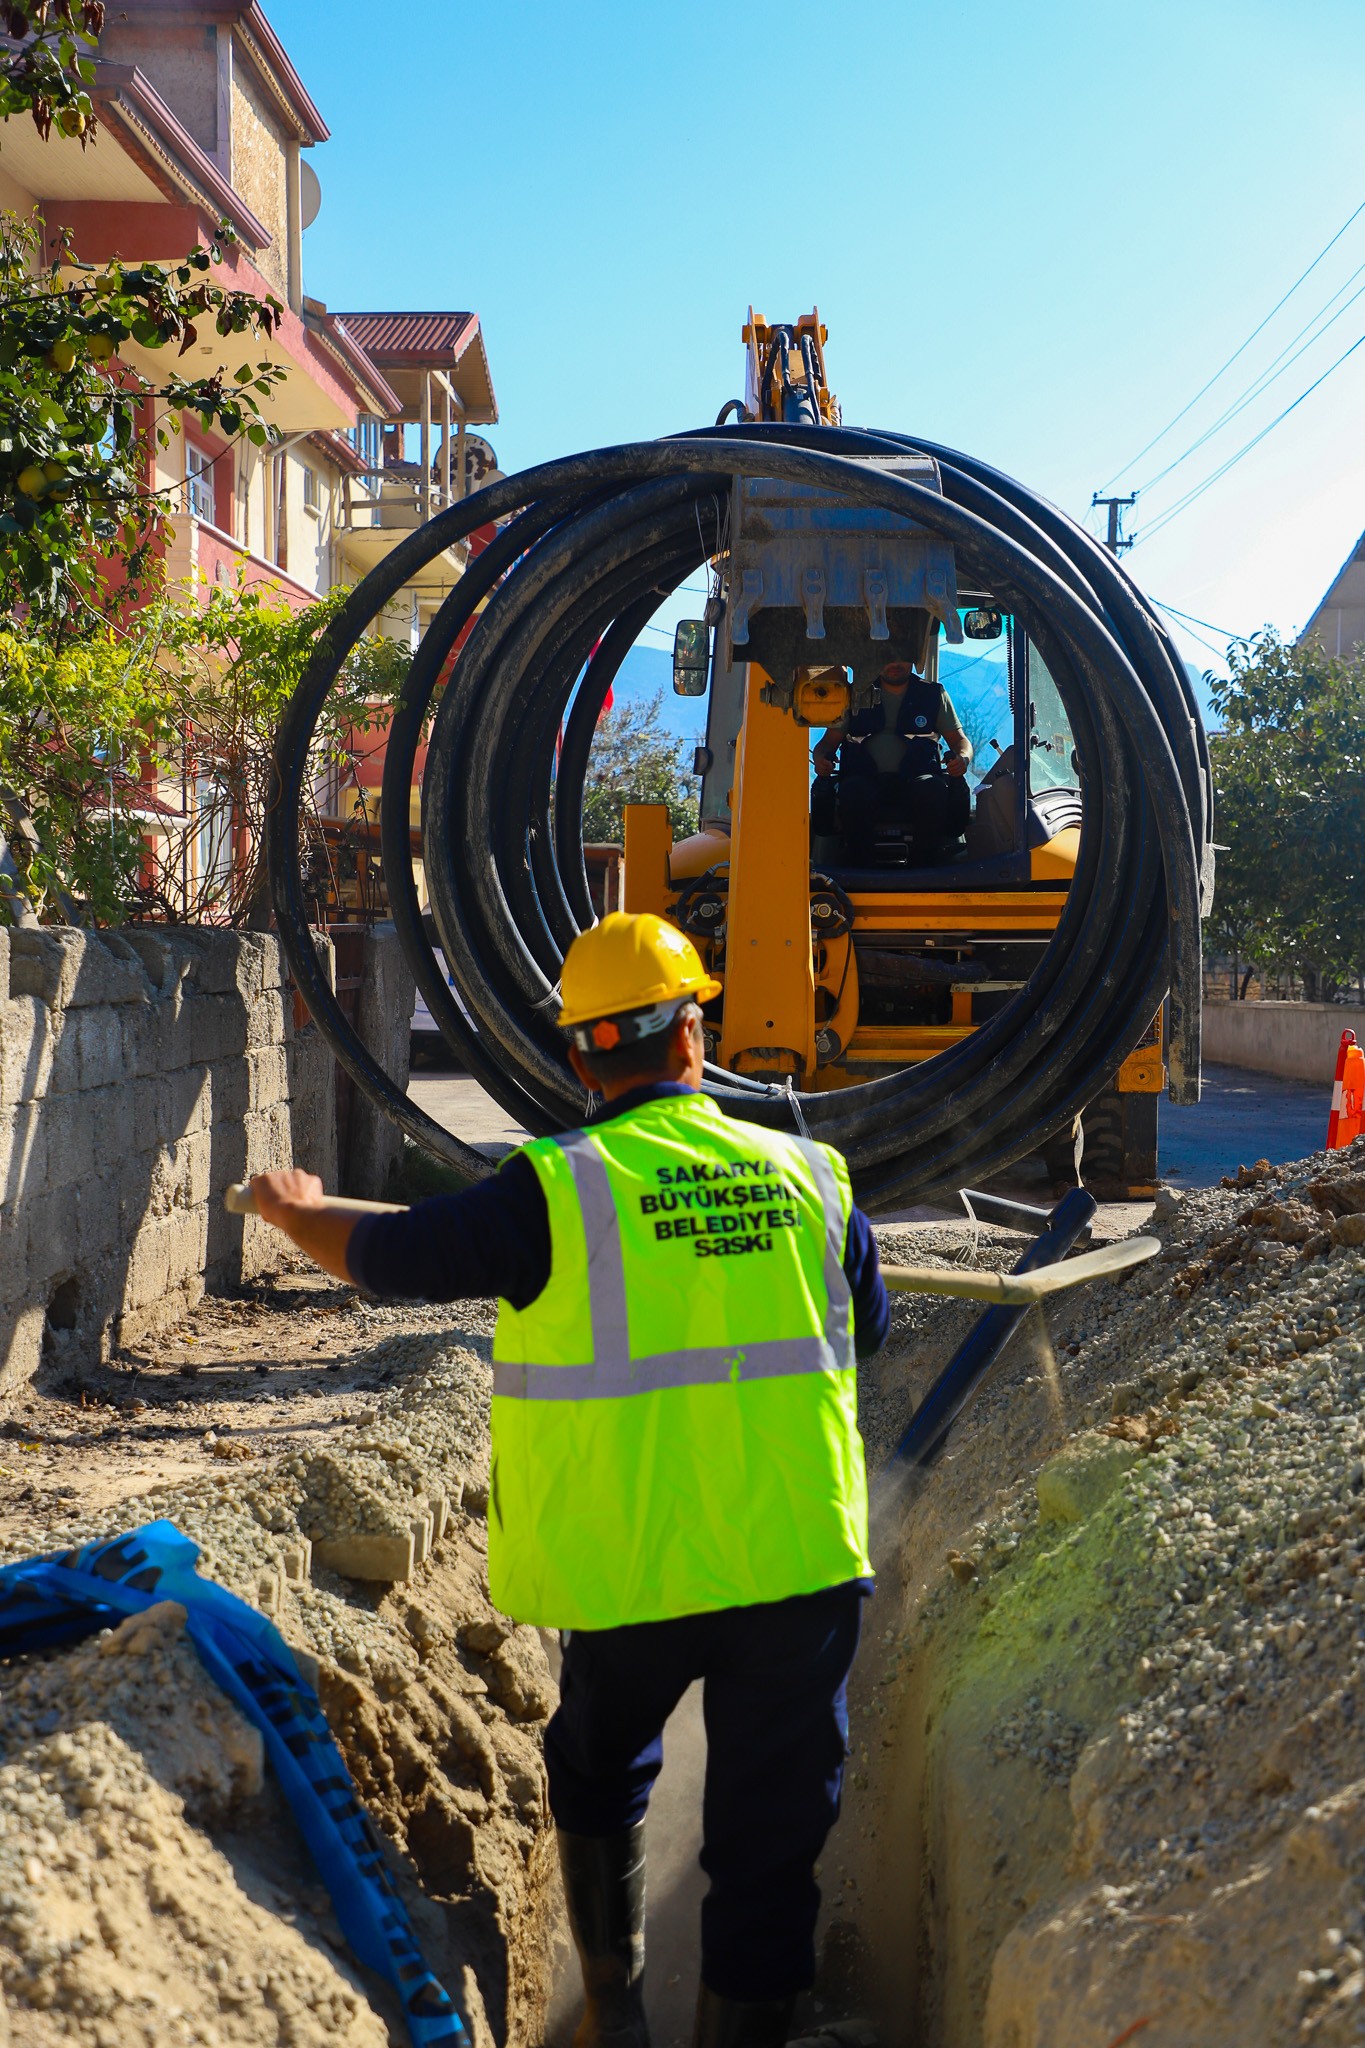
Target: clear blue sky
[(1033, 231)]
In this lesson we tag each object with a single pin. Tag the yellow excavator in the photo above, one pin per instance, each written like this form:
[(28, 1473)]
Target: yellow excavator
[(842, 962)]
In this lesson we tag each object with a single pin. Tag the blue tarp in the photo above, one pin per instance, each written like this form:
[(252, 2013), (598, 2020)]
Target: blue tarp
[(46, 1601)]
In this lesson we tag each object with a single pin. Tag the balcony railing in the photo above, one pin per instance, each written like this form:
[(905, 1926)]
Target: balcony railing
[(392, 501)]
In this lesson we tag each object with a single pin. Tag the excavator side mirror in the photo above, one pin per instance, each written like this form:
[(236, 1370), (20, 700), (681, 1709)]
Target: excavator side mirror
[(982, 623), (691, 658)]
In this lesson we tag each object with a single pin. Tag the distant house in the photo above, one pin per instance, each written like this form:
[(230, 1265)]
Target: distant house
[(1339, 621)]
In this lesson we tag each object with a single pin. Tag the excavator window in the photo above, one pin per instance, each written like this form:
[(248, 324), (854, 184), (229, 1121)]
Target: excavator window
[(1052, 745)]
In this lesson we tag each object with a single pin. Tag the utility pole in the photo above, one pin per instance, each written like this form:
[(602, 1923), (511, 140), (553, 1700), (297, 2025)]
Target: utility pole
[(1114, 540)]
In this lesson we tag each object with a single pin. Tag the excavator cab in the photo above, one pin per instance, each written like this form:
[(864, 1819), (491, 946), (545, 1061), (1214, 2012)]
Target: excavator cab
[(1002, 695)]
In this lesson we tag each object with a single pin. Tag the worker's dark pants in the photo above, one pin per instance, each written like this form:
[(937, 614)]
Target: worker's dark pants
[(862, 803), (774, 1699)]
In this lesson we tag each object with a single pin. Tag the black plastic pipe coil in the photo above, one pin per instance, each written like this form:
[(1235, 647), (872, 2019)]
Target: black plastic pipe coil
[(589, 546)]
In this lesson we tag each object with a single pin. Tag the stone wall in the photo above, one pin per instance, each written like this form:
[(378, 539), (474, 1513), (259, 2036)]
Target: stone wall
[(1297, 1040), (140, 1074)]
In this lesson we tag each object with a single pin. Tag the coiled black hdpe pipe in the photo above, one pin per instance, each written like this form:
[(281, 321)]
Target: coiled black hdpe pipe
[(588, 547)]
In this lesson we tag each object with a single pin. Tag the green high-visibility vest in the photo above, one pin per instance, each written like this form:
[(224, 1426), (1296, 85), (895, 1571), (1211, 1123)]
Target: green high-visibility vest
[(675, 1415)]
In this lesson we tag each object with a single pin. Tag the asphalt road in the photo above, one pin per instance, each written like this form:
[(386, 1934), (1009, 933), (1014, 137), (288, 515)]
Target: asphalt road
[(1242, 1117)]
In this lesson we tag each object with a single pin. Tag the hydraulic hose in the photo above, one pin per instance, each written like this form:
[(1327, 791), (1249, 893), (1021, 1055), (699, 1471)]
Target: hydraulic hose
[(586, 549)]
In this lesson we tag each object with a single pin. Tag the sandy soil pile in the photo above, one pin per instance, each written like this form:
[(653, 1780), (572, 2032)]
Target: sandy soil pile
[(1110, 1772), (153, 1886)]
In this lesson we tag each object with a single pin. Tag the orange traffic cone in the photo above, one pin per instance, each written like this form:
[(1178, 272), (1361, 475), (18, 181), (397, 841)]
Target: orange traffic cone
[(1347, 1119)]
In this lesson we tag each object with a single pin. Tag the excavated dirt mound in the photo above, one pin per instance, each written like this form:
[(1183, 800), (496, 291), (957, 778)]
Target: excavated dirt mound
[(153, 1885), (1109, 1746), (1107, 1778)]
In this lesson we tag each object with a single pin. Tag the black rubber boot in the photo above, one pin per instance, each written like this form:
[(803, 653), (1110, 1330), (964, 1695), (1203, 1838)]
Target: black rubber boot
[(604, 1889), (741, 2022)]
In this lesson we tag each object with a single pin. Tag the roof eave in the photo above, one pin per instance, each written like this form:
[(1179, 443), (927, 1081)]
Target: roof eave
[(123, 91), (1324, 602), (272, 58), (331, 336), (489, 418)]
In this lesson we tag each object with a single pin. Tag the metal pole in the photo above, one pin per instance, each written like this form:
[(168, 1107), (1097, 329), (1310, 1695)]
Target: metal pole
[(424, 497), (445, 441)]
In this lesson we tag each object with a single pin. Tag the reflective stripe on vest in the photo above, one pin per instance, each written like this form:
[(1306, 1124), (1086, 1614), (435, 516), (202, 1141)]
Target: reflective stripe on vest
[(612, 1372)]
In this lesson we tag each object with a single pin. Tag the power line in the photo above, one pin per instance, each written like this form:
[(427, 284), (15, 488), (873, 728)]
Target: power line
[(1240, 351), (1188, 624), (1265, 378), (1187, 628), (1220, 652), (1190, 620), (1198, 490)]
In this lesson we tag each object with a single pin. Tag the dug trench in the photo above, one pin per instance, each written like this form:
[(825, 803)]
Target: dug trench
[(1107, 1775)]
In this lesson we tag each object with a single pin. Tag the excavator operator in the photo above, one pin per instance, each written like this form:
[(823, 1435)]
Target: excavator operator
[(890, 775), (678, 1481)]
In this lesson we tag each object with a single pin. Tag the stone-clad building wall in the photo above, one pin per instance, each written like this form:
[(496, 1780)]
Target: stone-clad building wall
[(140, 1073)]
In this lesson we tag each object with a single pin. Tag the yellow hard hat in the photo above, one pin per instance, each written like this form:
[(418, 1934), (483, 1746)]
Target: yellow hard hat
[(631, 962)]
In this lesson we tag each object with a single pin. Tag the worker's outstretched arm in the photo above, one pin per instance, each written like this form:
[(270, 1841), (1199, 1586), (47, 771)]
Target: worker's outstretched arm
[(959, 746), (295, 1203), (827, 747)]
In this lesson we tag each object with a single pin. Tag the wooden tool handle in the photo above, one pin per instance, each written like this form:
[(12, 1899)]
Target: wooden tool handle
[(240, 1200), (1016, 1290)]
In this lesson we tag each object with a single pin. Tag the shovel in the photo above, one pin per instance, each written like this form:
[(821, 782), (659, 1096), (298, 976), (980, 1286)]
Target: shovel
[(1019, 1290)]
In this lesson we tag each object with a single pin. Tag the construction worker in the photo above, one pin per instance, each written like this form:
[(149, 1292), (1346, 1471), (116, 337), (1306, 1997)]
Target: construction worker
[(890, 774), (677, 1477)]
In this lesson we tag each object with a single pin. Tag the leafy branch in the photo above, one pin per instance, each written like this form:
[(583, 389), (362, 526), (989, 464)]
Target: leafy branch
[(78, 423), (49, 73)]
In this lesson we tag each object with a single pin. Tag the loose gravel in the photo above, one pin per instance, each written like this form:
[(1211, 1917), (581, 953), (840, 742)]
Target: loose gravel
[(1132, 1642)]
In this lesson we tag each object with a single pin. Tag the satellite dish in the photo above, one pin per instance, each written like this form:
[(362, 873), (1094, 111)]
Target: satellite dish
[(310, 192), (480, 463)]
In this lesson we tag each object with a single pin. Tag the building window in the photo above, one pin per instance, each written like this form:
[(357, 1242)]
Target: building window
[(199, 487), (312, 499), (366, 437)]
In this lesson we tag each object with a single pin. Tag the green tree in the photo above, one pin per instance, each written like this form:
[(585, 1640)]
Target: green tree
[(77, 721), (1289, 775), (72, 454), (236, 664), (71, 495), (635, 761), (96, 698), (135, 763)]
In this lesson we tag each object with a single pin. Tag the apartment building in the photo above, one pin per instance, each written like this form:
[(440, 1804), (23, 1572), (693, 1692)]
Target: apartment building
[(204, 118)]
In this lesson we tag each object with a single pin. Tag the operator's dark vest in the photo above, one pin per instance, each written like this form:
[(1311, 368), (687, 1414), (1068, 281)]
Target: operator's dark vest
[(916, 722)]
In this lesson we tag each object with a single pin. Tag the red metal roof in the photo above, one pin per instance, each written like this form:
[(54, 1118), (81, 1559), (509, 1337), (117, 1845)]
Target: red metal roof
[(412, 340)]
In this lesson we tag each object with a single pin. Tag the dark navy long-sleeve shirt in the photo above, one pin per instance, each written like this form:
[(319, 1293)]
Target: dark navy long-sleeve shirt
[(494, 1239)]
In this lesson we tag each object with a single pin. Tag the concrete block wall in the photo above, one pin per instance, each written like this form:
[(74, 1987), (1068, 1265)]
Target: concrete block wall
[(371, 1146), (1299, 1041), (140, 1073)]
